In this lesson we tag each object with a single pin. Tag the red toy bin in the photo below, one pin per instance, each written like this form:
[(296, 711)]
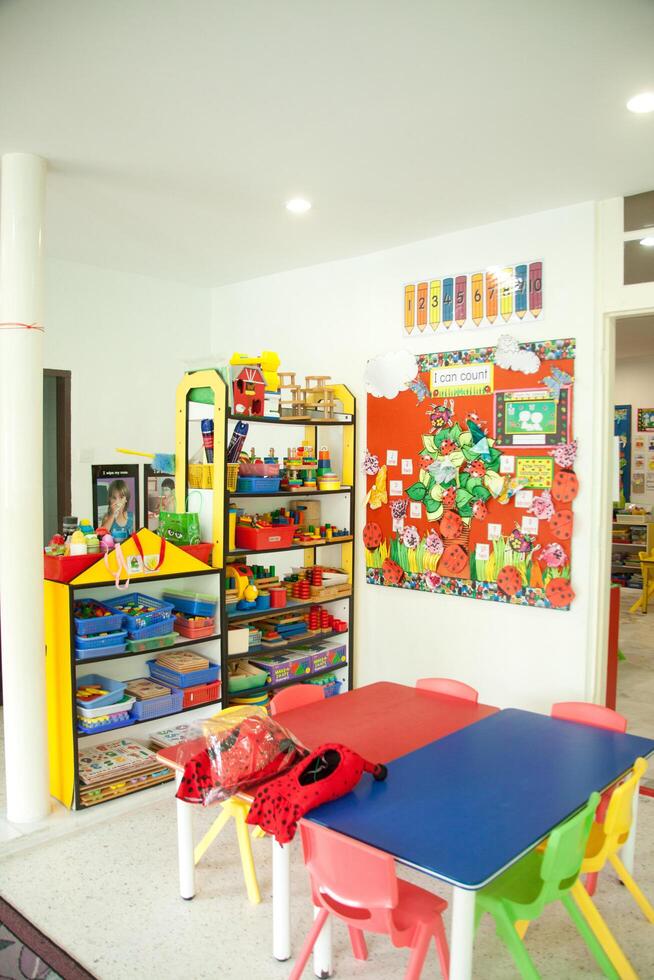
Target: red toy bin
[(201, 694), (65, 568), (265, 538), (200, 551), (188, 628)]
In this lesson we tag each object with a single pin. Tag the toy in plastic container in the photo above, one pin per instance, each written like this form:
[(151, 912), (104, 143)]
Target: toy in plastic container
[(236, 751), (330, 771)]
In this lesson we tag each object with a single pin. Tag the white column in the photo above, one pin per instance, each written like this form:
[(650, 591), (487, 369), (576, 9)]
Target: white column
[(21, 486)]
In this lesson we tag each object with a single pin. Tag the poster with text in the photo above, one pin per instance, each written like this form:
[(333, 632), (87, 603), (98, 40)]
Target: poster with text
[(487, 513)]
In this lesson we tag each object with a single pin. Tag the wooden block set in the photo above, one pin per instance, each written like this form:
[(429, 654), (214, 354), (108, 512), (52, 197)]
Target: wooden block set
[(315, 397)]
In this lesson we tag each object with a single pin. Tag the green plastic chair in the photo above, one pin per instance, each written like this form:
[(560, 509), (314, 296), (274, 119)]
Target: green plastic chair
[(540, 878)]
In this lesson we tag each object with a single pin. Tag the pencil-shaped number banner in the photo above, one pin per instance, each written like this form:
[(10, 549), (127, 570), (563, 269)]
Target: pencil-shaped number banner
[(488, 297)]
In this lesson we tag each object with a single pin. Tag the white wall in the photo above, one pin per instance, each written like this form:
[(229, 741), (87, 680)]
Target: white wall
[(331, 318), (125, 338), (634, 385)]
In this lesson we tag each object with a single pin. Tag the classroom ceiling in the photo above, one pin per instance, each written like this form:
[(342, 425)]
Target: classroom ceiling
[(634, 337), (175, 131)]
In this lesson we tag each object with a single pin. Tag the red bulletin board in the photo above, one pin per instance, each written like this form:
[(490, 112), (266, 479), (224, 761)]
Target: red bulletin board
[(470, 476)]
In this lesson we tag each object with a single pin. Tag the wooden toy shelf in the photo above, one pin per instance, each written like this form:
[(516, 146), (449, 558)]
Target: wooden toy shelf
[(254, 692), (267, 651), (216, 502), (63, 669), (631, 564)]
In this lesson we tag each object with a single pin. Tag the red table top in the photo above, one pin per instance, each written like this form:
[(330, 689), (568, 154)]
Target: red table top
[(379, 721)]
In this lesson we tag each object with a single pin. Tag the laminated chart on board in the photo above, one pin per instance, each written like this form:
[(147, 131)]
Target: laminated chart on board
[(470, 472), (468, 301)]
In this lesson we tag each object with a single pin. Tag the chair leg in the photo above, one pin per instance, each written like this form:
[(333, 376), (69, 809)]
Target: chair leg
[(309, 943), (359, 947), (626, 879), (590, 883), (604, 935), (247, 860), (418, 953), (590, 939), (506, 929), (442, 947), (211, 834)]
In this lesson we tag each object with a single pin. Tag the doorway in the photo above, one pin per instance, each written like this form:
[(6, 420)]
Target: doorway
[(56, 451), (632, 531)]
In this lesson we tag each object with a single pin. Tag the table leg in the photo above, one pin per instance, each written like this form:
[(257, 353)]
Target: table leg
[(322, 951), (462, 934), (185, 854), (281, 900), (628, 850)]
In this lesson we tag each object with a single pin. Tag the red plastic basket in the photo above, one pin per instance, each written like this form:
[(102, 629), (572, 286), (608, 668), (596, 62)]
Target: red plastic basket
[(67, 567), (200, 694), (183, 627), (265, 538), (200, 551)]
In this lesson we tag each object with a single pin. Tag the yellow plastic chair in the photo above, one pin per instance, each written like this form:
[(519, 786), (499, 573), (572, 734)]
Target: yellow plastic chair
[(604, 842), (237, 809)]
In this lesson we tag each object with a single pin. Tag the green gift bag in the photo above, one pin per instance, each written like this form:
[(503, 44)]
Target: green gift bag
[(179, 528)]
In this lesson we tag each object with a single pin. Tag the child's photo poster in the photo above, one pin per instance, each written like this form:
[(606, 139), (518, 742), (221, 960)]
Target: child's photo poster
[(116, 500), (159, 494)]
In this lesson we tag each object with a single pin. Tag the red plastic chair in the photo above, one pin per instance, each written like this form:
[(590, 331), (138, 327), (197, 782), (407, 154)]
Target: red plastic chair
[(295, 697), (453, 689), (358, 885), (585, 713)]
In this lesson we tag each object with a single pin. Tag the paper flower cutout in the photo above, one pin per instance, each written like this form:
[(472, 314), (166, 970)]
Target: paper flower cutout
[(411, 537), (433, 579), (542, 506), (398, 509), (370, 464)]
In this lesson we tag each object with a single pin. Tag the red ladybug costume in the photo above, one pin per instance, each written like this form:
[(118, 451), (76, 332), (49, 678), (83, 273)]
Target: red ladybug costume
[(332, 770), (254, 749)]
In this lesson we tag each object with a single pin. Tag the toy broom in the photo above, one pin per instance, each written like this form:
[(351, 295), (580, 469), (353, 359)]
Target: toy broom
[(162, 462)]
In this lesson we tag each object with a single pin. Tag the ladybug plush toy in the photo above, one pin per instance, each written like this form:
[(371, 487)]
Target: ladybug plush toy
[(332, 770)]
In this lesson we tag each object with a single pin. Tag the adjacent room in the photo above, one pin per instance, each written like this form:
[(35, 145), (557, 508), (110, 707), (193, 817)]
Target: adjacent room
[(326, 490)]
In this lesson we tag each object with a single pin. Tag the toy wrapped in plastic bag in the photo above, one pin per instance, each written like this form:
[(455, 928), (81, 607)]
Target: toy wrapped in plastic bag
[(236, 750)]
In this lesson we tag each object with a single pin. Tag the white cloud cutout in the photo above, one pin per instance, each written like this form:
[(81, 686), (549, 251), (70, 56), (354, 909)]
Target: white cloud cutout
[(388, 374), (512, 357)]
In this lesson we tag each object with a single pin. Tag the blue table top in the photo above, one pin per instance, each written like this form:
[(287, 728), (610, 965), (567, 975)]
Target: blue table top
[(465, 807)]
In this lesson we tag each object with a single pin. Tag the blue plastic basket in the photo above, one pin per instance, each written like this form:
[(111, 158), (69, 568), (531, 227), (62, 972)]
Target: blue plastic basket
[(115, 690), (82, 655), (258, 484), (101, 624), (191, 604), (167, 704), (183, 680), (162, 628), (161, 610), (100, 642)]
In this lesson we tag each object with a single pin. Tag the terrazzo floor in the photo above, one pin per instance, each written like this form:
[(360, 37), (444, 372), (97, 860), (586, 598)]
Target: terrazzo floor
[(108, 895)]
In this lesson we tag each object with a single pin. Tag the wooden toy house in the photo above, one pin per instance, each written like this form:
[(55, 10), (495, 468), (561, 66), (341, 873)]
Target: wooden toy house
[(248, 391)]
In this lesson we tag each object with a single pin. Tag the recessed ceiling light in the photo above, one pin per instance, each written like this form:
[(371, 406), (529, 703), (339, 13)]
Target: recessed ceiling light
[(648, 241), (644, 102), (298, 205)]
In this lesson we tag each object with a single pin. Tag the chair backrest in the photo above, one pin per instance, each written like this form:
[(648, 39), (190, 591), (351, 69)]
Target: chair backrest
[(353, 881), (295, 697), (617, 821), (445, 685), (586, 713), (566, 847)]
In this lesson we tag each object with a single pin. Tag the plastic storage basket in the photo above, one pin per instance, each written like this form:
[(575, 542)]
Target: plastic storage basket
[(157, 609), (195, 629), (265, 538), (191, 679), (124, 704), (114, 689), (192, 603), (105, 623), (99, 642), (258, 484), (154, 643), (201, 694), (167, 704), (162, 628)]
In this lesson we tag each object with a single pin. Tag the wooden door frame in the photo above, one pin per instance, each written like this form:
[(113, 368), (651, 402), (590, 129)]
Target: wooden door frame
[(63, 379)]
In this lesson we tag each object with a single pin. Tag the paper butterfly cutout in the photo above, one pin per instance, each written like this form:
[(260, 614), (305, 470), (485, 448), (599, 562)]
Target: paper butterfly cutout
[(511, 486), (556, 380), (419, 388), (377, 495)]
